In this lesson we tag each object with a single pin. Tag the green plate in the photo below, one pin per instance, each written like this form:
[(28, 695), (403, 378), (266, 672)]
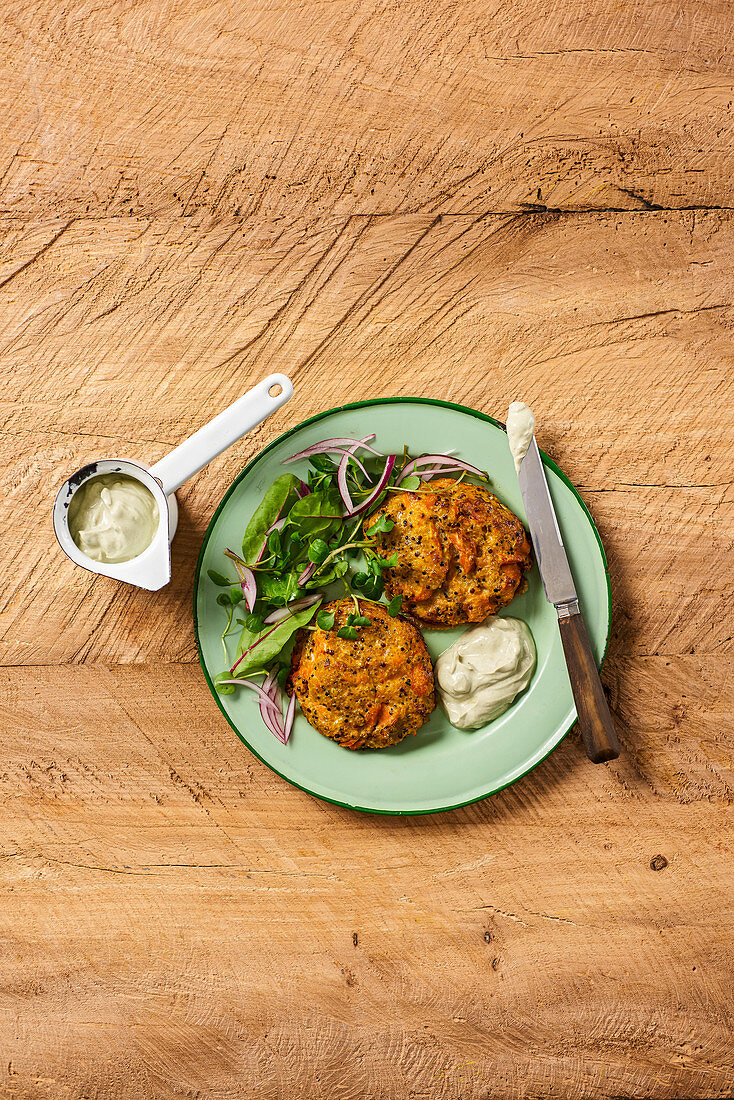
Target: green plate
[(441, 767)]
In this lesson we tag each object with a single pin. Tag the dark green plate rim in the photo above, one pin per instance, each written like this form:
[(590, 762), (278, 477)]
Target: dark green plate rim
[(261, 454)]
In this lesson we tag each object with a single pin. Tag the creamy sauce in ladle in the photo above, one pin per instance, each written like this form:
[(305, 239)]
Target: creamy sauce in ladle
[(113, 518)]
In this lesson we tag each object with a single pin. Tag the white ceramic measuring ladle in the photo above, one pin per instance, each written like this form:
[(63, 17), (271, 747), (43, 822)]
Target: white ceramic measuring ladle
[(152, 568)]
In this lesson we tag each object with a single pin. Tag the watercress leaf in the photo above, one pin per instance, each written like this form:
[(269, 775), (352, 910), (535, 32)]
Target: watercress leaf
[(381, 525), (271, 640), (325, 620), (361, 620), (276, 502), (350, 619), (235, 595), (224, 689), (374, 588), (253, 623), (282, 676), (348, 632), (218, 578), (359, 580), (332, 573), (376, 565), (412, 482), (323, 463), (394, 605), (292, 544), (317, 551), (274, 543), (224, 599)]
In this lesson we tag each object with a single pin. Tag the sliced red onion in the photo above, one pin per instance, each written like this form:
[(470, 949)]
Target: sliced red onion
[(429, 472), (341, 480), (265, 699), (352, 455), (327, 445), (289, 716), (435, 471), (307, 573), (384, 478), (277, 695), (247, 578), (273, 719), (271, 705), (297, 605), (447, 465)]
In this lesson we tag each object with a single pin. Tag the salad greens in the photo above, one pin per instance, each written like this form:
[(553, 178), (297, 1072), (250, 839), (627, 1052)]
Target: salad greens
[(304, 536), (281, 494)]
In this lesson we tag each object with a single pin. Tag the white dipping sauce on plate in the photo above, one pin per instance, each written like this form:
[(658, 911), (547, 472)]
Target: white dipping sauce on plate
[(113, 518), (481, 673), (520, 428)]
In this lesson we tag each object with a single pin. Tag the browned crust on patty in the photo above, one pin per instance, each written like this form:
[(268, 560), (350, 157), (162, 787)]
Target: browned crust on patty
[(368, 693), (485, 552)]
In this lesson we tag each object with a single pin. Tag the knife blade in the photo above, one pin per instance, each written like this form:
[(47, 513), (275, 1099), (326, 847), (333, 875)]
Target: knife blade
[(595, 720), (550, 553)]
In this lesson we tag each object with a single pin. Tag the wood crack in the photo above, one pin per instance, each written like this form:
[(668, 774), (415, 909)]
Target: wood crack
[(41, 252), (658, 313)]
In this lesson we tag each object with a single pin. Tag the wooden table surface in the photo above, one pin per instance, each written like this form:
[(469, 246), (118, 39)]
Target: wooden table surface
[(460, 201)]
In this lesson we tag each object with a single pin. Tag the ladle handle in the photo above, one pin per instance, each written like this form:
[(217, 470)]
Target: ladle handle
[(221, 432)]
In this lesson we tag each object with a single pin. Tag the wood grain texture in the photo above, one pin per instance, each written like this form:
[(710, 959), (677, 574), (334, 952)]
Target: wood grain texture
[(574, 311), (332, 107), (379, 199)]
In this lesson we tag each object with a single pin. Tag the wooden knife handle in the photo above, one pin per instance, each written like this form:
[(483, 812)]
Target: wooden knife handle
[(595, 721)]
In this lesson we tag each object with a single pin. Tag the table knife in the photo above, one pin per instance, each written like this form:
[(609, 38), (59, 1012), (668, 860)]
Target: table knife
[(595, 721)]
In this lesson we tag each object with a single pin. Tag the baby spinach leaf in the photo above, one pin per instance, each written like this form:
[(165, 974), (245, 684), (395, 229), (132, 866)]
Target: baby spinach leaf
[(276, 502), (278, 588), (315, 514), (224, 689), (274, 543), (271, 640)]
